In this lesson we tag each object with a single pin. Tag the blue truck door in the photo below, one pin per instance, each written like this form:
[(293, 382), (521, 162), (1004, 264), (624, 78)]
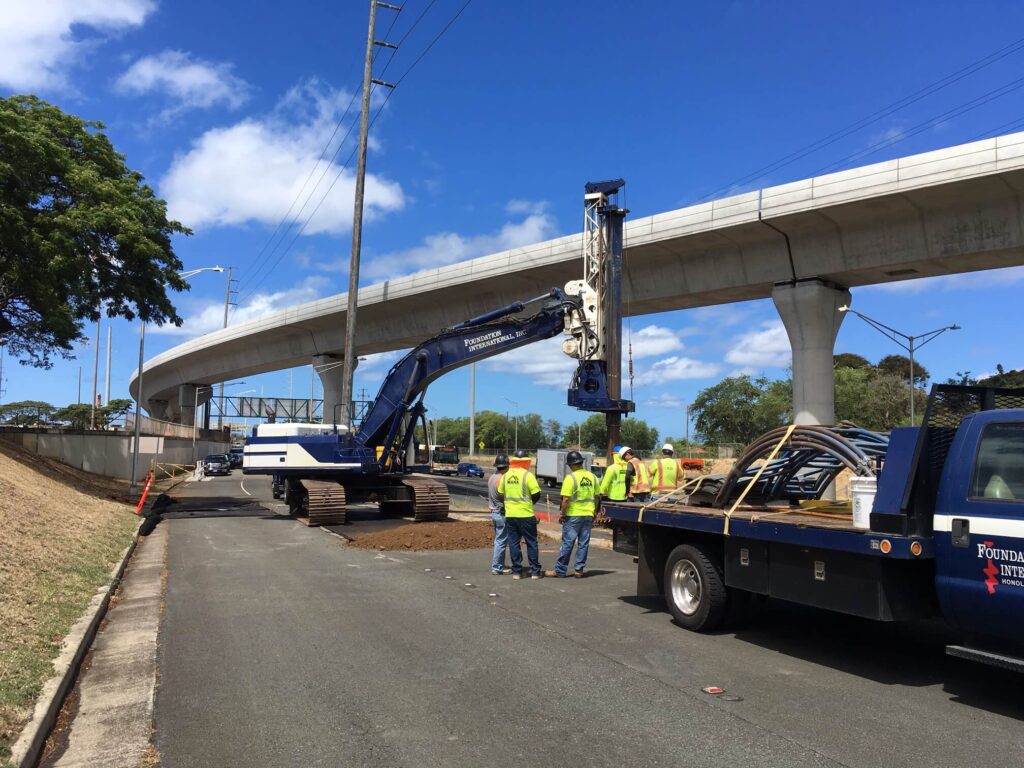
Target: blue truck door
[(979, 527)]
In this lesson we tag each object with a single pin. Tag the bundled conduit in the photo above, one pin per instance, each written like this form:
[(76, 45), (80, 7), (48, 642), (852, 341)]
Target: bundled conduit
[(805, 466)]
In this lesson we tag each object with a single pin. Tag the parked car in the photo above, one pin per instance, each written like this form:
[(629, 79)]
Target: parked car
[(469, 470), (217, 464), (235, 455)]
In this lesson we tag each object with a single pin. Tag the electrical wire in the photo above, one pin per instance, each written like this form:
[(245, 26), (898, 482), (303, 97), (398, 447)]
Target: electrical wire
[(963, 108), (874, 117), (341, 121), (373, 121)]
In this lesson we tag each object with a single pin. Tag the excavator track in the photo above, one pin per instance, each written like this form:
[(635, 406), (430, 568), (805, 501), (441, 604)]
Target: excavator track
[(429, 498), (325, 504)]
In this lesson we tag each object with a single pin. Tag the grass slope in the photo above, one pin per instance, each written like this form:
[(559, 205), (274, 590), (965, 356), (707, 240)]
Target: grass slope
[(59, 539)]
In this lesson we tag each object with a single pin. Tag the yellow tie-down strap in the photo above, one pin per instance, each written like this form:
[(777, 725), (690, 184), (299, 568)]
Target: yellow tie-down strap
[(757, 476), (680, 491)]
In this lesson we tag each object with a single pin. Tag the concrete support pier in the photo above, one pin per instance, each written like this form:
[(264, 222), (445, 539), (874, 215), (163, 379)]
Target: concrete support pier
[(187, 404), (329, 369), (809, 309)]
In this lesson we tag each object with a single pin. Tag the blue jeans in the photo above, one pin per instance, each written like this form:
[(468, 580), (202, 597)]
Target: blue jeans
[(500, 541), (523, 528), (574, 529)]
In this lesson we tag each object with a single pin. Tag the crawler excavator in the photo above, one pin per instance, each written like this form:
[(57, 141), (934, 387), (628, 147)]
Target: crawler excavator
[(324, 466)]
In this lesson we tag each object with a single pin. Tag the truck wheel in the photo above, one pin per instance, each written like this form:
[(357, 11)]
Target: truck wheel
[(695, 588)]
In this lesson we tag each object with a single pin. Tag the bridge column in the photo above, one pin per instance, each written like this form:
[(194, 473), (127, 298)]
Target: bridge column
[(330, 370), (187, 404), (809, 309)]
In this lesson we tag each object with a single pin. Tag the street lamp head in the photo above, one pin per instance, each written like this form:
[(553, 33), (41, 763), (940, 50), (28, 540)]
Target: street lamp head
[(955, 327), (844, 308)]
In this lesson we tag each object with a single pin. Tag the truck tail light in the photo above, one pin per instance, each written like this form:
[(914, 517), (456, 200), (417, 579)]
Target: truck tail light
[(915, 548), (885, 546)]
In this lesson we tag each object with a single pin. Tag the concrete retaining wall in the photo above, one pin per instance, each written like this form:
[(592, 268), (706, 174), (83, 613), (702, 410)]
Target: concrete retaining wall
[(109, 453)]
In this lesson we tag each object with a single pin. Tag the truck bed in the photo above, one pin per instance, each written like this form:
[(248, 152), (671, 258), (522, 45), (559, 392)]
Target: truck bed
[(792, 525)]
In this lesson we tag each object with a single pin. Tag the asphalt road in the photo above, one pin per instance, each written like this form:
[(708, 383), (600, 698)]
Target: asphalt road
[(281, 645)]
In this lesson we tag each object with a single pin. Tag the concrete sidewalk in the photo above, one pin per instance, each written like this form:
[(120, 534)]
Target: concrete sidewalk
[(114, 719)]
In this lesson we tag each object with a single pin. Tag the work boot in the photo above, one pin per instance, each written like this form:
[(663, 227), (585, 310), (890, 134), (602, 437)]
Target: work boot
[(535, 576), (579, 574), (554, 575), (517, 576)]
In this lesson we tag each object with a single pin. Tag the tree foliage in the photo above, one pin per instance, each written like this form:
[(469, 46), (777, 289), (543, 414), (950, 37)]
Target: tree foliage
[(80, 415), (850, 360), (80, 233), (633, 432), (899, 366), (739, 408), (25, 413), (1003, 378)]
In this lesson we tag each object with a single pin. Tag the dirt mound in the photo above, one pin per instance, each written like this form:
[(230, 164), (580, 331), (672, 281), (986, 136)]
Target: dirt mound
[(423, 537)]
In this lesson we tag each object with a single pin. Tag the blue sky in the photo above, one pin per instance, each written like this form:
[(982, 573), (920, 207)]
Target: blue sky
[(226, 107)]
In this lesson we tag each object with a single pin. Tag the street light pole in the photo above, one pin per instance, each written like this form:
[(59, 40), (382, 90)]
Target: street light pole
[(134, 487), (516, 422), (689, 452), (908, 342), (227, 305)]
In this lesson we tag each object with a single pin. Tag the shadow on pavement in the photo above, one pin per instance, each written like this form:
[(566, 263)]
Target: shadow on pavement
[(216, 506)]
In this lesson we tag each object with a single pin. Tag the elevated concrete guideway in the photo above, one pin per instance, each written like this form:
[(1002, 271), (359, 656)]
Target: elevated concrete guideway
[(952, 210)]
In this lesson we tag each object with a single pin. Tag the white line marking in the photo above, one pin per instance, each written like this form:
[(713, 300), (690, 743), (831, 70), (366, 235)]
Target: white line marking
[(242, 483)]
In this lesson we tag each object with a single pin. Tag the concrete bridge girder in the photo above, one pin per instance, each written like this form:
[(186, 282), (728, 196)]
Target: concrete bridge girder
[(945, 212)]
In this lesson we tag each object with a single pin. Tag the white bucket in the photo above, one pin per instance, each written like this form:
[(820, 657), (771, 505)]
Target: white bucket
[(862, 494)]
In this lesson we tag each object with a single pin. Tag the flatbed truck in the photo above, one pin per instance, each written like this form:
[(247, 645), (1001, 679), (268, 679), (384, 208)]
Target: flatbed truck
[(946, 537)]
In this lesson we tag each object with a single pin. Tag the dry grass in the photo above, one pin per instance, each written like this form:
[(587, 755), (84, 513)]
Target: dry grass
[(58, 544)]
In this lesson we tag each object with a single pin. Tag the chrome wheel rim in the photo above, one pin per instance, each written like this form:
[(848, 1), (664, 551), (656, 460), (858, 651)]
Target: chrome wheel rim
[(686, 587)]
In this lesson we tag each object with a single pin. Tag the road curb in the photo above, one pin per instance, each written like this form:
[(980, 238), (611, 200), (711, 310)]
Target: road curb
[(27, 749)]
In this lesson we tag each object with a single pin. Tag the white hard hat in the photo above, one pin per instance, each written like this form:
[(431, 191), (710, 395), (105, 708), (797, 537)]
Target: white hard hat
[(624, 450), (667, 447)]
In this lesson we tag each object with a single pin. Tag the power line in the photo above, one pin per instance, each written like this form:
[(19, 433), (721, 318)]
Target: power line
[(874, 117), (323, 154), (373, 121), (961, 109)]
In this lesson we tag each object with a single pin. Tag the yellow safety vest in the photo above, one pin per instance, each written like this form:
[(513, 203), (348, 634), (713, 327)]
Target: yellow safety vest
[(613, 484), (581, 488), (641, 481), (664, 474), (518, 486)]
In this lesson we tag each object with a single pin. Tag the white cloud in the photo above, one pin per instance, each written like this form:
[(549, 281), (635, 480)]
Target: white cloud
[(664, 400), (768, 346), (40, 41), (518, 206), (210, 317), (676, 368), (192, 83), (653, 340), (989, 278), (254, 169), (448, 247), (544, 363)]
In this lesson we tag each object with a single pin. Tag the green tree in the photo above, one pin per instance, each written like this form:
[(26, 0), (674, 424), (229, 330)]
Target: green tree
[(531, 431), (552, 433), (116, 409), (453, 431), (76, 415), (26, 412), (494, 429), (1004, 378), (739, 408), (850, 360), (899, 365), (637, 434), (80, 232)]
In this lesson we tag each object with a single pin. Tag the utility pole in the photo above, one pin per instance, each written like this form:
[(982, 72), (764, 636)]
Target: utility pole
[(3, 343), (106, 390), (472, 407), (95, 375), (220, 396), (349, 361)]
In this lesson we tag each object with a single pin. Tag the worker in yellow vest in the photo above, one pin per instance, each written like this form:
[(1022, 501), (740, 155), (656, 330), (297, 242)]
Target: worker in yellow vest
[(638, 481), (519, 490), (613, 484), (580, 500), (665, 472)]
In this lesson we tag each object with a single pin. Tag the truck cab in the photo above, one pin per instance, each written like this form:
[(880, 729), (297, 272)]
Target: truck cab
[(979, 527)]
